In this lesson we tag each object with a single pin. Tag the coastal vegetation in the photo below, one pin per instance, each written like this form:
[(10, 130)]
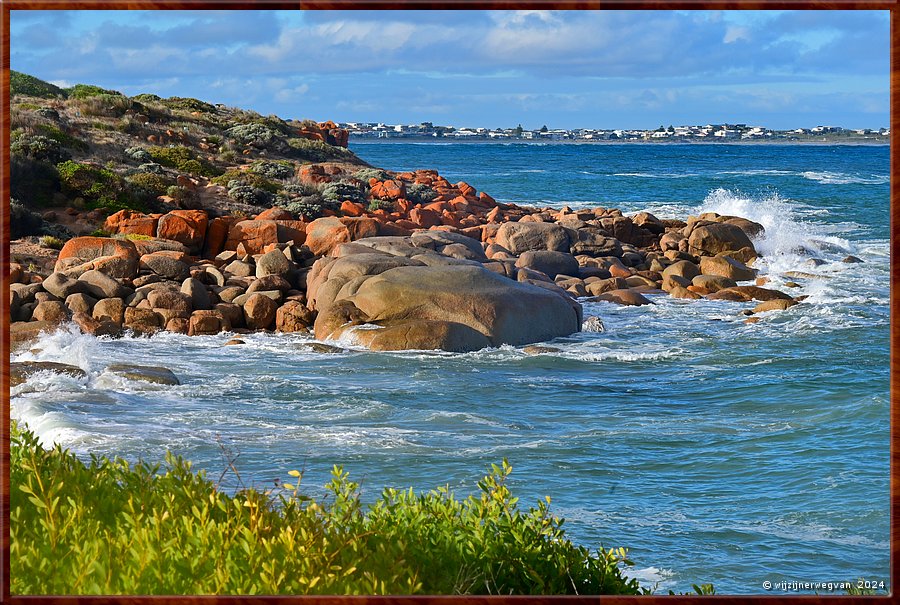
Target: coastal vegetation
[(111, 527)]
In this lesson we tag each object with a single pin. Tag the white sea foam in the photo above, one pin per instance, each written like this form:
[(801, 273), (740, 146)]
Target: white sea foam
[(652, 578), (841, 178)]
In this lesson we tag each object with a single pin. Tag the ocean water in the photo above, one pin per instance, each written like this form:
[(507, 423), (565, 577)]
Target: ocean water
[(714, 450)]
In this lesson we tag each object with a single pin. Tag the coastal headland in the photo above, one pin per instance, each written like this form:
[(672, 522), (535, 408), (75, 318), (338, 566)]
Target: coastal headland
[(148, 214)]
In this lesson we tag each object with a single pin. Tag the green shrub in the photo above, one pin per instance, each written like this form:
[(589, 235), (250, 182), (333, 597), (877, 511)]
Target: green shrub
[(149, 185), (37, 147), (187, 104), (317, 151), (99, 187), (255, 135), (100, 233), (63, 138), (387, 205), (247, 194), (309, 206), (281, 169), (147, 98), (110, 527), (85, 91), (418, 193), (138, 154), (22, 221), (36, 181), (336, 192), (31, 106), (49, 241), (23, 84), (365, 174), (182, 159), (184, 196), (245, 177)]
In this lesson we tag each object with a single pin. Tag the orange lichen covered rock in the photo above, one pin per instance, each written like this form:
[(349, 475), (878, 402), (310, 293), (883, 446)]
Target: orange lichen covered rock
[(131, 222), (184, 226), (112, 257)]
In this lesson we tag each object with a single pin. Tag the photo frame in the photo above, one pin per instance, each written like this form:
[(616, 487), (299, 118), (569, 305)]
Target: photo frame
[(473, 474)]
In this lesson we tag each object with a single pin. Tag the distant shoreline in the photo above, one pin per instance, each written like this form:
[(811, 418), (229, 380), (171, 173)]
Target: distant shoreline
[(450, 141)]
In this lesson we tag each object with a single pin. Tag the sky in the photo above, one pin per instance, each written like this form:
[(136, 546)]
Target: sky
[(493, 69)]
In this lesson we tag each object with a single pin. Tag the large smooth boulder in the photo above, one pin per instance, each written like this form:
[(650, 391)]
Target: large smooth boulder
[(113, 257), (154, 374), (259, 311), (521, 237), (62, 286), (709, 239), (549, 262), (503, 311), (100, 285), (725, 266), (273, 263)]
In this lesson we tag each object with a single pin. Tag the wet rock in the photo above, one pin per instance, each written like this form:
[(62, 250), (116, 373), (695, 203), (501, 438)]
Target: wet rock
[(318, 347), (21, 371), (293, 316), (154, 374), (235, 341), (852, 259), (592, 324), (625, 297), (777, 304), (95, 327), (709, 239), (142, 321), (540, 350)]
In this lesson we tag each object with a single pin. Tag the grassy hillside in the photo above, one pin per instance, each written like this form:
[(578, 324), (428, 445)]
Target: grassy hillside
[(98, 151)]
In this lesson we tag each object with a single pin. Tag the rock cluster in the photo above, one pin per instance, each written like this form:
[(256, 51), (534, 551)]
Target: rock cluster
[(458, 272)]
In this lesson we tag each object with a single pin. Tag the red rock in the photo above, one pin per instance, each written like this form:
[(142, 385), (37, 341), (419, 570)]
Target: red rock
[(113, 257), (259, 312), (390, 228), (487, 200), (618, 271), (424, 217), (438, 207), (313, 173), (459, 204), (407, 224), (465, 188), (388, 190), (349, 208), (130, 222), (216, 234), (404, 206), (252, 236), (185, 226), (493, 215), (275, 214), (293, 316), (291, 231), (207, 322)]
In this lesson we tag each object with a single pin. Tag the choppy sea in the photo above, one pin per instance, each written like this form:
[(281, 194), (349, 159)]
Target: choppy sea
[(714, 450)]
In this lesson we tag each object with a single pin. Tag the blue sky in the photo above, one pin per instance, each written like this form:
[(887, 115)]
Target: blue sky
[(566, 69)]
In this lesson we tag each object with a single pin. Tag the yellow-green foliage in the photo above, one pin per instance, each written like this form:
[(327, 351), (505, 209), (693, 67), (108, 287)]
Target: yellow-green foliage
[(109, 527), (183, 159), (246, 177), (100, 187)]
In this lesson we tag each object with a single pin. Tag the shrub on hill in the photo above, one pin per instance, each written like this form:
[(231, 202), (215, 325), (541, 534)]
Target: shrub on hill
[(336, 192), (99, 187), (316, 151), (182, 159), (185, 104), (281, 169), (37, 147), (84, 91), (245, 177), (110, 527), (22, 221), (417, 193), (23, 84), (35, 182)]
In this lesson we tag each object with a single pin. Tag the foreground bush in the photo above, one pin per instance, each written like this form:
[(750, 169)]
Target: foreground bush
[(112, 528)]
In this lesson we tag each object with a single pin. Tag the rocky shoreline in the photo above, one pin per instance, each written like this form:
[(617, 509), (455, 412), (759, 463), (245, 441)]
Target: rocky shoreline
[(459, 273)]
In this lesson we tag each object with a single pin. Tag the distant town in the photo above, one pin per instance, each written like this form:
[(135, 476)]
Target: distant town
[(708, 132)]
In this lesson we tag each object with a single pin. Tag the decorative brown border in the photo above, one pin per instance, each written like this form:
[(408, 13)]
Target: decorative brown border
[(7, 5)]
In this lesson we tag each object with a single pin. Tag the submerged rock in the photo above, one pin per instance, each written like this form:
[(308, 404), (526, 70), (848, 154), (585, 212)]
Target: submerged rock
[(154, 374), (20, 371), (539, 350)]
